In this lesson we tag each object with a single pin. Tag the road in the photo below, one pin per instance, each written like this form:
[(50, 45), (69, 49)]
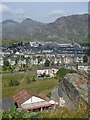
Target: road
[(15, 73)]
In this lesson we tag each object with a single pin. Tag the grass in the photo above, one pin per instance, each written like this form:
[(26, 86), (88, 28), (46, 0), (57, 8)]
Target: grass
[(44, 85), (65, 113)]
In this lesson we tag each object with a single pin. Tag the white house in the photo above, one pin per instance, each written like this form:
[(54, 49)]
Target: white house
[(79, 59), (67, 60), (34, 62), (12, 61), (1, 61), (47, 71), (84, 67), (22, 62)]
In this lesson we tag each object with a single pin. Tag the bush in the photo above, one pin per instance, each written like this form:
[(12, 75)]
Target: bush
[(33, 79), (13, 83), (14, 114)]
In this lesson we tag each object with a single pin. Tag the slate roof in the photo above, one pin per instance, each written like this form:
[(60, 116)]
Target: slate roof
[(51, 67)]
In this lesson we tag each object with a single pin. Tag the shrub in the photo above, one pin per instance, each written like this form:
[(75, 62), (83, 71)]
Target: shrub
[(14, 114), (33, 79), (13, 83)]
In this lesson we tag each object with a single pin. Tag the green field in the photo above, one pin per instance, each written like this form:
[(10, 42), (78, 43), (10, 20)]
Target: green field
[(44, 85)]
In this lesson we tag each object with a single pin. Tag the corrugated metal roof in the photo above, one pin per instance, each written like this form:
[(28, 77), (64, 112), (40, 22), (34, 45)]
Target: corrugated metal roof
[(22, 96)]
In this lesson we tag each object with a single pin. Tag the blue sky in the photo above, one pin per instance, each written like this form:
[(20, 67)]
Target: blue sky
[(41, 11)]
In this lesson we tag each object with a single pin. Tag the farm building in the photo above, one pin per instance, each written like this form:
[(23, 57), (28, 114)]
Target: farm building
[(30, 101)]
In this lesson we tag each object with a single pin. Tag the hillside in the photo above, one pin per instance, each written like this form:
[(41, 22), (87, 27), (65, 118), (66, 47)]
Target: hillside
[(72, 28)]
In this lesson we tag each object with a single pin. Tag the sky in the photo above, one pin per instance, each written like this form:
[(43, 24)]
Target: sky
[(45, 12)]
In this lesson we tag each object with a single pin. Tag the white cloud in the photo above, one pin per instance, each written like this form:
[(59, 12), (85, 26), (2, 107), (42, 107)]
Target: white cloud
[(15, 14), (4, 9), (57, 12)]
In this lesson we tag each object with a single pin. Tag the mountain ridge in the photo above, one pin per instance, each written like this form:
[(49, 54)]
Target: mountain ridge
[(72, 28)]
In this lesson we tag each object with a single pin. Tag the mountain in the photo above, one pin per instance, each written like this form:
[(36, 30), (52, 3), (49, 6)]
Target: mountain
[(73, 28), (9, 22)]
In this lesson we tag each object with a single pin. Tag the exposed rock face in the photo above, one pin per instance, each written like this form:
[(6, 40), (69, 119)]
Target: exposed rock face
[(73, 89)]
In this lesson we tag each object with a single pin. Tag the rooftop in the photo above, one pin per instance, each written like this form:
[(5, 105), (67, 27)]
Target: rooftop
[(50, 67), (22, 96)]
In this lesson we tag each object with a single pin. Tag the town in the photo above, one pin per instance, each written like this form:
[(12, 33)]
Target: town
[(21, 56)]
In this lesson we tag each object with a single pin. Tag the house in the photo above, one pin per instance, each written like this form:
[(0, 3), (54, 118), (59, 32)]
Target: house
[(17, 53), (30, 101), (78, 59), (47, 71), (84, 67), (22, 61), (67, 59), (12, 61), (34, 62), (55, 61), (7, 52), (1, 61), (42, 61)]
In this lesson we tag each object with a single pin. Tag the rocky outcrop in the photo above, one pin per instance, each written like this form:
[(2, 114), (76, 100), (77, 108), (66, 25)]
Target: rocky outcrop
[(73, 89)]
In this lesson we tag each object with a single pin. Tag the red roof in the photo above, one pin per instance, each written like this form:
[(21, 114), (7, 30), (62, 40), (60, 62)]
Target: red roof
[(22, 96), (43, 96)]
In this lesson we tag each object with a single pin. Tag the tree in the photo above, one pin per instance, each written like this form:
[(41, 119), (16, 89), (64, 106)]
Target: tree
[(63, 71), (47, 63), (6, 63), (85, 59)]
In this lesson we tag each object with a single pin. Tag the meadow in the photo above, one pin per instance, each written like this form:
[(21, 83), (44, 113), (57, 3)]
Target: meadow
[(40, 85)]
